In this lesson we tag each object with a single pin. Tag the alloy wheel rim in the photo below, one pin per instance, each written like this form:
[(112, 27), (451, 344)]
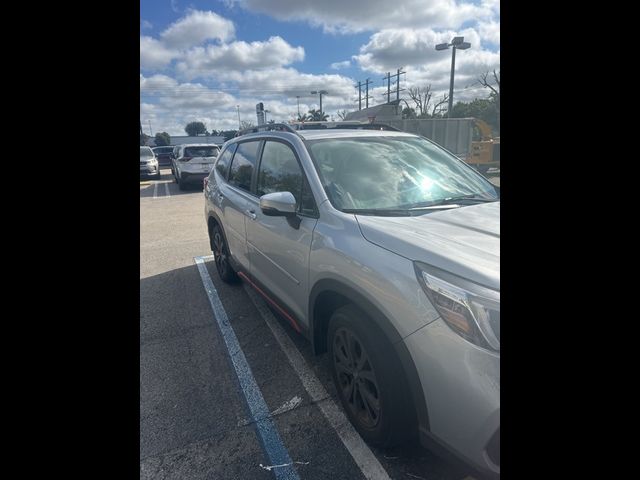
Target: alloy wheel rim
[(219, 253), (356, 377)]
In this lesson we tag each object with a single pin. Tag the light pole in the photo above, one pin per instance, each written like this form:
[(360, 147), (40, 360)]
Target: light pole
[(320, 92), (238, 108), (298, 99), (457, 43)]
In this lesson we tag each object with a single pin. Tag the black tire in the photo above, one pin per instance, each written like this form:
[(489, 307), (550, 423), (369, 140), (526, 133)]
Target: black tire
[(378, 404), (221, 254), (181, 183)]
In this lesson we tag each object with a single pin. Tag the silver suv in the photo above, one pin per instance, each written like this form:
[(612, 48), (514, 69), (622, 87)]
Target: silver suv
[(383, 249)]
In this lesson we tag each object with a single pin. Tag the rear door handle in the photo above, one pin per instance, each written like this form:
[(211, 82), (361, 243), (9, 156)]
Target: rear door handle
[(251, 214)]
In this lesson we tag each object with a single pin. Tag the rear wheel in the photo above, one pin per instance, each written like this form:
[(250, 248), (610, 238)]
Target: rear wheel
[(221, 255), (369, 379)]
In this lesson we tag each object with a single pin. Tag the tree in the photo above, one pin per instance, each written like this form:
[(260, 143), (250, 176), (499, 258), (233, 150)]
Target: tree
[(421, 96), (317, 116), (195, 128), (271, 121), (408, 112), (482, 108), (342, 114), (244, 125), (485, 81), (303, 117), (443, 100), (227, 134), (163, 139)]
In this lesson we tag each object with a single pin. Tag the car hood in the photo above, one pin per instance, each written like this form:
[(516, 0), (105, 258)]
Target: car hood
[(464, 241)]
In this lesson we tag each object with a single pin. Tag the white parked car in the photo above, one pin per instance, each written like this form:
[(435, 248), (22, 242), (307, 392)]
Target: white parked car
[(148, 163), (192, 163)]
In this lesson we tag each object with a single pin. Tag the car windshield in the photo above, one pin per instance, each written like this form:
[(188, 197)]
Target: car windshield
[(387, 173), (146, 152), (201, 151)]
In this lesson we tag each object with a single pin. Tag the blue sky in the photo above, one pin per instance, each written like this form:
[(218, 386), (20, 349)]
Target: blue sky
[(199, 59)]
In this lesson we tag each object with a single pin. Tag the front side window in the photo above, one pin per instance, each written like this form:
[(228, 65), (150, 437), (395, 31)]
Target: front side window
[(362, 173), (280, 172), (244, 162)]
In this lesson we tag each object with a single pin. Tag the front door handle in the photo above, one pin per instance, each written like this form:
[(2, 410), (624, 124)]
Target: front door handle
[(251, 214)]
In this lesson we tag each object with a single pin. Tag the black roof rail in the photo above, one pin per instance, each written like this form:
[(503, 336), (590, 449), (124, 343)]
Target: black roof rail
[(267, 127)]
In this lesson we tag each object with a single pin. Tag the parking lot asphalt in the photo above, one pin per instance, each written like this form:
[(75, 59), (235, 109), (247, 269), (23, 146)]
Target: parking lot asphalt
[(194, 418)]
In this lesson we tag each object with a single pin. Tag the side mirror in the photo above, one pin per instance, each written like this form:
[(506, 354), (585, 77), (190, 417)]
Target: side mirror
[(281, 204), (278, 204)]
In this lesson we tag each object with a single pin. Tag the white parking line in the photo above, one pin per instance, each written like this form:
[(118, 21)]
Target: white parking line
[(155, 189), (274, 449), (360, 451), (166, 189)]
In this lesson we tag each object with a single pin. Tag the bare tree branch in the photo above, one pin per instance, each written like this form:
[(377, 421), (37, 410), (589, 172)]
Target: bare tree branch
[(421, 96), (445, 99)]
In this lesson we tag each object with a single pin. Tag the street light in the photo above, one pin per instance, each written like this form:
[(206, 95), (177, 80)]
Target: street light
[(238, 108), (320, 92), (457, 43)]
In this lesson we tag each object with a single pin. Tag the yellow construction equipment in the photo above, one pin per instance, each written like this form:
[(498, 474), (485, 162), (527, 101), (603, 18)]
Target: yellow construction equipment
[(485, 149)]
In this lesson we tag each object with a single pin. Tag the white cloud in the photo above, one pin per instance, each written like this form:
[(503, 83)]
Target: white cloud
[(154, 54), (174, 6), (489, 32), (145, 25), (360, 15), (212, 59), (339, 65), (197, 27)]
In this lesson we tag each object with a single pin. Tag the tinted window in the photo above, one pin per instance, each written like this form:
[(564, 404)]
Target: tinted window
[(201, 151), (222, 165), (163, 150), (280, 172), (244, 162)]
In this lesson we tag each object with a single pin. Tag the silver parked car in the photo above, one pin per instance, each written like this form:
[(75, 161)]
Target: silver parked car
[(192, 163), (148, 163), (384, 250)]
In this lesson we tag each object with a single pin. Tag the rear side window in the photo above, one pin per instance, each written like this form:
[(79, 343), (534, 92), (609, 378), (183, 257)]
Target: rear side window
[(222, 165), (244, 161)]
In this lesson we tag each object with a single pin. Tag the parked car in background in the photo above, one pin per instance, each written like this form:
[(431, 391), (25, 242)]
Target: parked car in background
[(163, 154), (148, 163), (192, 163), (383, 249)]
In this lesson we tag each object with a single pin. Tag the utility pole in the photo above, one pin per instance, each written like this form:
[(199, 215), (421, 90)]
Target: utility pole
[(359, 95), (238, 108), (366, 97), (398, 89), (141, 132), (150, 131), (388, 78), (320, 92), (298, 99)]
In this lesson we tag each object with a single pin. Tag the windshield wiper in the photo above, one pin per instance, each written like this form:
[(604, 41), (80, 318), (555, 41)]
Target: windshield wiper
[(449, 202), (382, 212)]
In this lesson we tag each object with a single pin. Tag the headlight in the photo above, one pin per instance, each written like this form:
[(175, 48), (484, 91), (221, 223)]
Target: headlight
[(471, 310)]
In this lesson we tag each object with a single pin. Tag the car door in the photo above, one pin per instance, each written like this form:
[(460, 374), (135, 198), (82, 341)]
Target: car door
[(237, 199), (279, 252)]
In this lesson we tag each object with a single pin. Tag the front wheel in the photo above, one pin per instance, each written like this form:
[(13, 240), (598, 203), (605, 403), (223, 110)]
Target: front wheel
[(369, 380), (221, 255)]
